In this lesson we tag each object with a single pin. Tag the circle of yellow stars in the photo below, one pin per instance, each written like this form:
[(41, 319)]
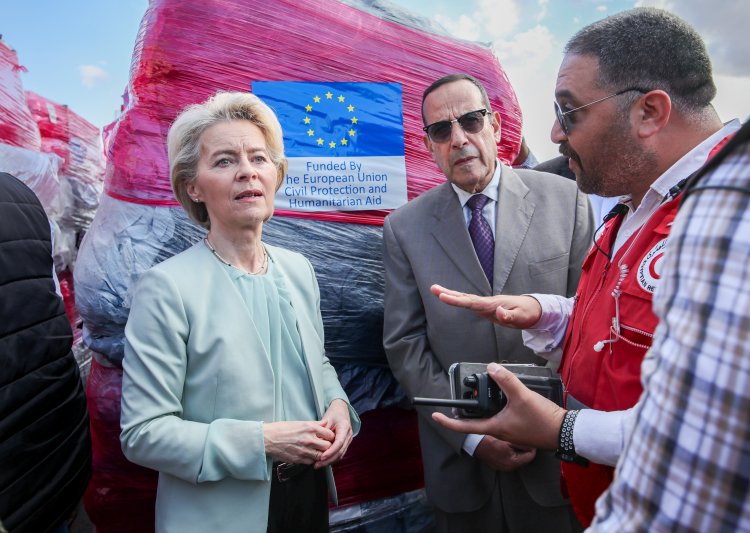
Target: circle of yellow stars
[(332, 143)]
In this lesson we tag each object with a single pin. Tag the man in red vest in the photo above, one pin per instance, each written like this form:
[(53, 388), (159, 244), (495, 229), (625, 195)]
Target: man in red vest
[(635, 120)]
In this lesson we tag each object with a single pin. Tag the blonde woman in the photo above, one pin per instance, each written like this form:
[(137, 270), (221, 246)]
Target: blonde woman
[(227, 391)]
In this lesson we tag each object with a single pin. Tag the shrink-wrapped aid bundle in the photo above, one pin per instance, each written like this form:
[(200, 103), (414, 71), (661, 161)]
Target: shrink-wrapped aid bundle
[(17, 127), (20, 141), (78, 143)]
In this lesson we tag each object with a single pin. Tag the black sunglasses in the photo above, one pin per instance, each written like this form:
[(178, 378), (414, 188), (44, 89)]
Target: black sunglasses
[(471, 122), (562, 116)]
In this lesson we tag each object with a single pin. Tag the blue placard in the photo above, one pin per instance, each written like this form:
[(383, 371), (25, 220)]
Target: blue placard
[(344, 142), (337, 119)]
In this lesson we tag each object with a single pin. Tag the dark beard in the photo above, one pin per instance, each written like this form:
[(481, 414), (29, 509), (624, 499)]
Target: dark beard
[(620, 162), (583, 180)]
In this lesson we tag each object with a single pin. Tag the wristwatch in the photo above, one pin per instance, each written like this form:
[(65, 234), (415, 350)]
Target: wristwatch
[(566, 450)]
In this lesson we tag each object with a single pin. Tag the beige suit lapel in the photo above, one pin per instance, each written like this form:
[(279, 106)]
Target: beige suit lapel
[(514, 213), (451, 233)]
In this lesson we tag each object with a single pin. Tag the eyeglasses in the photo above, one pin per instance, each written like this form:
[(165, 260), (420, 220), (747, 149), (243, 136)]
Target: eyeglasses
[(471, 122), (562, 115)]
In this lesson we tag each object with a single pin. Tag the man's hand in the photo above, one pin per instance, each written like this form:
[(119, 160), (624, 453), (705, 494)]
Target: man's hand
[(528, 419), (518, 312), (501, 455)]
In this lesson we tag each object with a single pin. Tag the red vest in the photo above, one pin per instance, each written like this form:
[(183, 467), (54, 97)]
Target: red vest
[(609, 379)]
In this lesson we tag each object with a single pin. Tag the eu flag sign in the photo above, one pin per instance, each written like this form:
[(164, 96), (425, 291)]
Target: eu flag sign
[(344, 142)]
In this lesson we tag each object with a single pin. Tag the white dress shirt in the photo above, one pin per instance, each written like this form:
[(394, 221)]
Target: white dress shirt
[(491, 191)]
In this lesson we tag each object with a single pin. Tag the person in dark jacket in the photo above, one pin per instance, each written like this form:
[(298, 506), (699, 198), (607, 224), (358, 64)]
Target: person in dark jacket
[(557, 165), (45, 448)]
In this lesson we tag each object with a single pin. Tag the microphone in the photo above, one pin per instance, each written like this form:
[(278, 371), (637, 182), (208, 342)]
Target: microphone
[(599, 346), (618, 209)]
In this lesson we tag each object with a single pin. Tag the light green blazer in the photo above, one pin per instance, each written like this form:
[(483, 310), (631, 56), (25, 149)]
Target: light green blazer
[(198, 385)]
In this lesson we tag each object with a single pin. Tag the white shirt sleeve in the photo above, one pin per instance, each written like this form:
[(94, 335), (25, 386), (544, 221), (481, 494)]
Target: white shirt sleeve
[(599, 436), (471, 442), (546, 336)]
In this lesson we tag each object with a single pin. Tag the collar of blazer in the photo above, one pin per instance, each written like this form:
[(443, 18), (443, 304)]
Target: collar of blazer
[(514, 212)]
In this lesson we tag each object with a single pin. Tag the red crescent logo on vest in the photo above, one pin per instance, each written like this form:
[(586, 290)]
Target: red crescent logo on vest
[(652, 267), (649, 271)]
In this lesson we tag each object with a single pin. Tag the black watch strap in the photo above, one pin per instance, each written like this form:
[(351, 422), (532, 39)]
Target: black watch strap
[(566, 450)]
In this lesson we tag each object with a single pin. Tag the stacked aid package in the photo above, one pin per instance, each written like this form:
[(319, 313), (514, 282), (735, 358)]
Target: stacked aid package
[(81, 179), (59, 156), (20, 141), (346, 81), (81, 175), (17, 126)]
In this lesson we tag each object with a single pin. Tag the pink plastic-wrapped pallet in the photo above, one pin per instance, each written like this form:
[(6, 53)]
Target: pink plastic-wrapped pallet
[(187, 50), (78, 143), (17, 127), (67, 134)]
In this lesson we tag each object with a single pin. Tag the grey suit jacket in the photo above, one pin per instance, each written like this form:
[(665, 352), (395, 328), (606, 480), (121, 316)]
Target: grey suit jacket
[(543, 230), (198, 385)]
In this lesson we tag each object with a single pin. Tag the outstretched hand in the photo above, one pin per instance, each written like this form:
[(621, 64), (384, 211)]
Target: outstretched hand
[(528, 419), (519, 312)]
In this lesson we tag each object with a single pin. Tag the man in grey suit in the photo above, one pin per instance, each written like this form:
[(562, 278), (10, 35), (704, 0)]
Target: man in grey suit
[(488, 230)]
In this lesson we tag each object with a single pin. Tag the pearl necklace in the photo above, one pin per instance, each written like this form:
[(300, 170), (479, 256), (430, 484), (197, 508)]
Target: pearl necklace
[(216, 254)]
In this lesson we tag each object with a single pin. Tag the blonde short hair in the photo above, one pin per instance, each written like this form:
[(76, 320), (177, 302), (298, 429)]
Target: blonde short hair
[(184, 147)]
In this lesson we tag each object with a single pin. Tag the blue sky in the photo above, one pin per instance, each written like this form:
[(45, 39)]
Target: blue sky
[(78, 52)]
